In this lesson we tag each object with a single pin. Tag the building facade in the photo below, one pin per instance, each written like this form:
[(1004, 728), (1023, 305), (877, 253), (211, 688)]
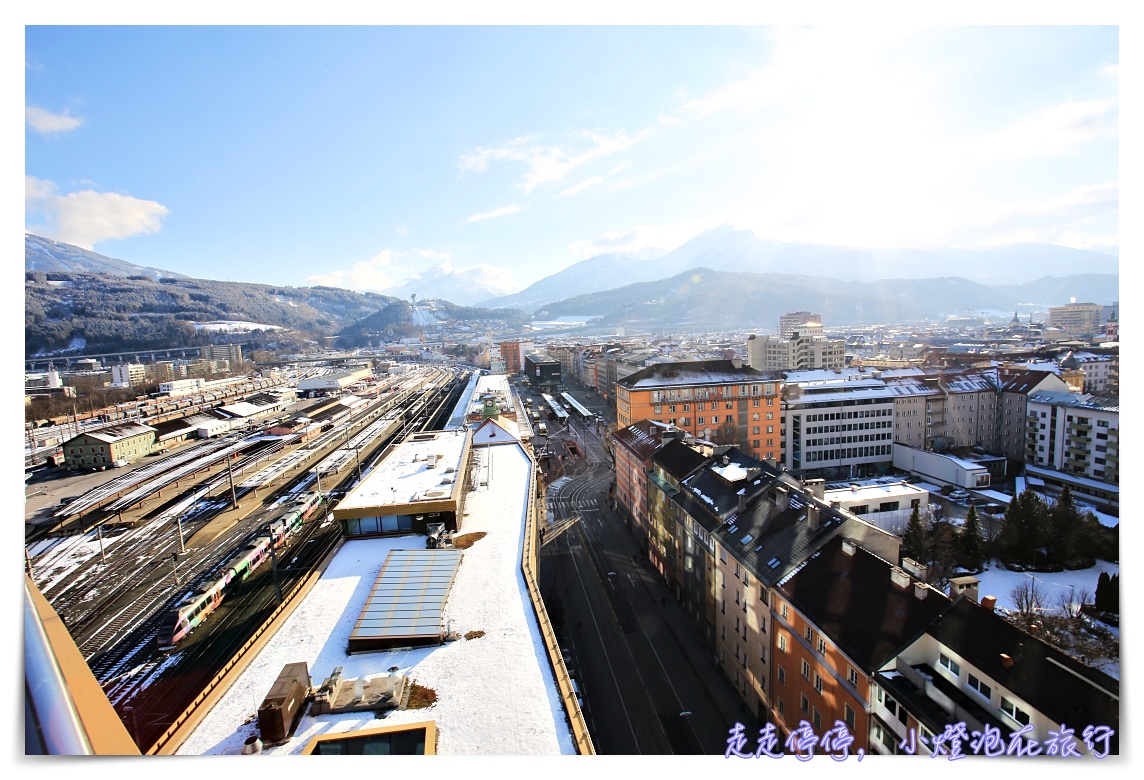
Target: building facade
[(113, 445), (719, 401)]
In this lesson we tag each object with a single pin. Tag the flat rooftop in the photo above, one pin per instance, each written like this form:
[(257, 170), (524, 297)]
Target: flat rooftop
[(496, 694), (405, 476), (871, 490)]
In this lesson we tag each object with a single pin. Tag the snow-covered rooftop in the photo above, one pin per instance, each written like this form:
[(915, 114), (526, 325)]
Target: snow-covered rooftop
[(496, 694), (405, 475), (873, 490)]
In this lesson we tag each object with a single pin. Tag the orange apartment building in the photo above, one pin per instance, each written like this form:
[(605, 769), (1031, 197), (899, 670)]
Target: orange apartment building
[(510, 353), (720, 401)]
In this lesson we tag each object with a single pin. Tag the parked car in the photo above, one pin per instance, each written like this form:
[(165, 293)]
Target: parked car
[(959, 495)]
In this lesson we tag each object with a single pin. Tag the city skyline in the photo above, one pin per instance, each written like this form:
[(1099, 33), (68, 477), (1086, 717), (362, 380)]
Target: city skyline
[(388, 150)]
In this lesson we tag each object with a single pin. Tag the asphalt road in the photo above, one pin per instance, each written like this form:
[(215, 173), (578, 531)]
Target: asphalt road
[(648, 685)]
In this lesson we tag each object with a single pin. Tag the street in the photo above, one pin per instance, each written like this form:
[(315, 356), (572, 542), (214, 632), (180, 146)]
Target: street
[(649, 686)]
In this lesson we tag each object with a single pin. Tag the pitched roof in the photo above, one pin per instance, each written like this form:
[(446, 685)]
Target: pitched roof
[(1047, 679), (677, 459), (852, 600), (693, 372), (641, 438), (116, 432)]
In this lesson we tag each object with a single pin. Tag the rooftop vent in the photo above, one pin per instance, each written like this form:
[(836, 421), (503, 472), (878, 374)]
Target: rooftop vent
[(899, 577)]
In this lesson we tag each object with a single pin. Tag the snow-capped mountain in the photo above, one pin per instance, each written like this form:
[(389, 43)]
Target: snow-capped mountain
[(44, 254), (464, 286)]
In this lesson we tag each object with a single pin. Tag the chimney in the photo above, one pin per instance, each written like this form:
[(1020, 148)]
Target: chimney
[(989, 602), (737, 362), (726, 460), (920, 590), (899, 577), (813, 517), (816, 488), (848, 546), (743, 500), (752, 473), (917, 570), (1006, 661)]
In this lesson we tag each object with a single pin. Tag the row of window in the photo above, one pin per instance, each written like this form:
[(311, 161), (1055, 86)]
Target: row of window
[(849, 452)]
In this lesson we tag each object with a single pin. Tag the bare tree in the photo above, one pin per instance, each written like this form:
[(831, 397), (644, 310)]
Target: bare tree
[(1028, 604), (1071, 604)]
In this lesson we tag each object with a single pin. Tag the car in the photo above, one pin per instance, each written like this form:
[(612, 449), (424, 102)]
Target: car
[(576, 690), (959, 495)]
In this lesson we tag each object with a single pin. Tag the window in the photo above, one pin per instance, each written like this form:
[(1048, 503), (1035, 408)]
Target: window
[(809, 634), (980, 687), (848, 717), (784, 611), (949, 663), (816, 719), (782, 708), (803, 703), (821, 646), (782, 643), (700, 420), (1014, 712), (714, 419), (853, 676), (818, 682), (805, 670), (782, 675)]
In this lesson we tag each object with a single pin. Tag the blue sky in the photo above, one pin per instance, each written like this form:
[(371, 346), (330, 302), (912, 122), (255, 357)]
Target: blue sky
[(361, 156)]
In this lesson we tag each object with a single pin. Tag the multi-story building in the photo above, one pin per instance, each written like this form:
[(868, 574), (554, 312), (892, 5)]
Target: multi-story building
[(803, 351), (1012, 414), (128, 374), (885, 502), (632, 449), (231, 353), (798, 321), (838, 620), (724, 530), (945, 411), (543, 371), (113, 445), (720, 401), (513, 352), (972, 666), (1097, 370), (838, 428), (1075, 440), (1077, 319)]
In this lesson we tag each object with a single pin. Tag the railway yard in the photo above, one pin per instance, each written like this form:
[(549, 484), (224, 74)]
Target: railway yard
[(118, 560)]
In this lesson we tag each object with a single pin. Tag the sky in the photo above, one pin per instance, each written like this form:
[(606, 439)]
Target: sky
[(359, 156)]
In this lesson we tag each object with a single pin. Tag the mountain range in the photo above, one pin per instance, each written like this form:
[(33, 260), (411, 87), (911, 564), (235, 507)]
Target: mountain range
[(44, 254), (725, 249)]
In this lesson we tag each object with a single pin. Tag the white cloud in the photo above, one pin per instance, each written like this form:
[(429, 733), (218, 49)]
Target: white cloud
[(547, 164), (388, 268), (48, 122), (589, 182), (501, 212), (667, 236), (87, 217)]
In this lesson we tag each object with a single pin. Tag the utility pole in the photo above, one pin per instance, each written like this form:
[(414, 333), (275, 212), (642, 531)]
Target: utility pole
[(179, 523), (99, 533), (230, 473), (274, 564)]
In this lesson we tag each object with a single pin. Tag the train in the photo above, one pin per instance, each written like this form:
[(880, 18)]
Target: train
[(194, 608)]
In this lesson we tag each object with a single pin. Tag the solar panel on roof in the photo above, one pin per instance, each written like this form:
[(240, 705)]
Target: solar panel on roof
[(404, 608)]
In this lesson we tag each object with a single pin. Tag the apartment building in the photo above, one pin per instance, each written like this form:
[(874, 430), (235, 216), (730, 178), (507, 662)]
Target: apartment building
[(1075, 440), (632, 448), (128, 375), (972, 666), (719, 401), (1099, 371), (1012, 408), (945, 411), (838, 620), (803, 351), (801, 321), (231, 353)]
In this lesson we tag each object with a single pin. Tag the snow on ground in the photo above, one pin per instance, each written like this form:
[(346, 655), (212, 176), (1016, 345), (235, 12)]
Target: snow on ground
[(1000, 582), (496, 694)]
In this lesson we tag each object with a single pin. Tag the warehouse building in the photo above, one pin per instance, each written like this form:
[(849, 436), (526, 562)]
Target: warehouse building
[(115, 445)]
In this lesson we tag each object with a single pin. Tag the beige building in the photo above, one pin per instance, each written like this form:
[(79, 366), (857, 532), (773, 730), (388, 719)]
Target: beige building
[(111, 446), (798, 321), (804, 351), (1077, 319), (128, 374)]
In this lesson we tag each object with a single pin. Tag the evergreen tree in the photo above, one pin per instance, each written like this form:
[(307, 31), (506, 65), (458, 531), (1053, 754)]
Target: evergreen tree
[(1025, 527), (1100, 600), (1114, 594), (1064, 528), (914, 541), (970, 545)]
